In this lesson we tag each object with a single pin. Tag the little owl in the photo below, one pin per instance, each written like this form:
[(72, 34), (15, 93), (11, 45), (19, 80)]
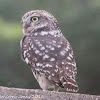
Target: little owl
[(48, 52)]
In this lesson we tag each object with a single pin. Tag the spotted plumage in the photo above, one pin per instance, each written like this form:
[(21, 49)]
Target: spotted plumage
[(48, 52)]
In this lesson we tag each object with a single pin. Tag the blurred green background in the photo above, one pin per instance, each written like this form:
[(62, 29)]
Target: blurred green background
[(79, 21)]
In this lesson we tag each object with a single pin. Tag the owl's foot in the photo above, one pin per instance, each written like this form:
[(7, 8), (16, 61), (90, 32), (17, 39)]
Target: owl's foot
[(56, 88), (45, 89)]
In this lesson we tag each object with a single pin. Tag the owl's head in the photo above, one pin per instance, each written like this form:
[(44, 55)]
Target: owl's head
[(38, 20)]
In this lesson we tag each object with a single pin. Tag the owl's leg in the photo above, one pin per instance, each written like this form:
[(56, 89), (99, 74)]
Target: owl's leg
[(56, 88), (45, 89), (43, 86)]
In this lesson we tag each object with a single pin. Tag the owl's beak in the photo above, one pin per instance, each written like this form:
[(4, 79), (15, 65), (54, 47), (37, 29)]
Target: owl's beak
[(21, 22), (25, 24)]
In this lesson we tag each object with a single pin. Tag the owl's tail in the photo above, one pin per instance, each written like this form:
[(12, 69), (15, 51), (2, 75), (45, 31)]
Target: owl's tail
[(69, 84)]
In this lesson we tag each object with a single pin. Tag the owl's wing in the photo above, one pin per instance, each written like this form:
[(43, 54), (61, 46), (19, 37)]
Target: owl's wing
[(22, 48), (52, 56)]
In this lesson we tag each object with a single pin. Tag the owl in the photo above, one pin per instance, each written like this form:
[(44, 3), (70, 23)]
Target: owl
[(48, 53)]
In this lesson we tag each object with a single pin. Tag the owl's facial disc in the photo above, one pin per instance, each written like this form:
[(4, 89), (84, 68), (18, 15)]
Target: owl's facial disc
[(34, 22), (38, 20)]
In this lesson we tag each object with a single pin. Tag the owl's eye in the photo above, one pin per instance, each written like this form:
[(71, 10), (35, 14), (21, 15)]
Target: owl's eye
[(34, 19)]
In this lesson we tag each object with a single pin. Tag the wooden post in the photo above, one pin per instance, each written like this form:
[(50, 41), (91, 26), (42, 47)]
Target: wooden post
[(34, 94)]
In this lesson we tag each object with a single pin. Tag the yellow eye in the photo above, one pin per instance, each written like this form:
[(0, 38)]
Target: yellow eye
[(34, 19)]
